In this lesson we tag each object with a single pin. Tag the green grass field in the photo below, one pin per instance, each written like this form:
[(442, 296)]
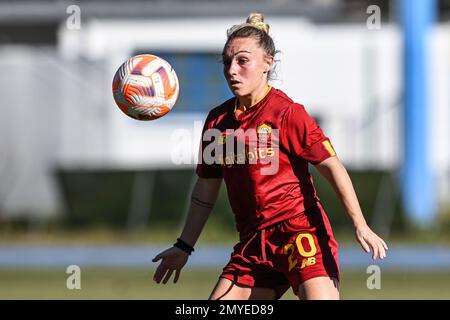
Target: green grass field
[(197, 284), (110, 283)]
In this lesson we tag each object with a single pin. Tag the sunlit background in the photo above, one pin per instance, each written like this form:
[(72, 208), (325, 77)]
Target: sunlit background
[(82, 184)]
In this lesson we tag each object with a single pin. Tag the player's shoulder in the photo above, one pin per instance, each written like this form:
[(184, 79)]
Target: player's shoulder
[(218, 112), (222, 108), (286, 104), (281, 97)]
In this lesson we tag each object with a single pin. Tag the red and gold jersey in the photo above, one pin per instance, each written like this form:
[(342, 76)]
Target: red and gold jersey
[(263, 158)]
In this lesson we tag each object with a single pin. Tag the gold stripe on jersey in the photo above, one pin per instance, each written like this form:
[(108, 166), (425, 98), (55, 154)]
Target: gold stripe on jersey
[(329, 148), (258, 101)]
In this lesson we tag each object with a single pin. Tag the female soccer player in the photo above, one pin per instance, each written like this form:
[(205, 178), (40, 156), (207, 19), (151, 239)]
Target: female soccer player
[(285, 236)]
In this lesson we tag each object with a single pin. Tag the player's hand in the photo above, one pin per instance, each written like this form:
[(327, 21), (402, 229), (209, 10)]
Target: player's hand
[(173, 259), (370, 241)]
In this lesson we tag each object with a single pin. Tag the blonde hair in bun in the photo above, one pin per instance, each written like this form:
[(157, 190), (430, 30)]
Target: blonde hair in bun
[(256, 19), (254, 27)]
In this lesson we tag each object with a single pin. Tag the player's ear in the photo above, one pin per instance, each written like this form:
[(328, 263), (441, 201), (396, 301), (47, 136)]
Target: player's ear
[(268, 62)]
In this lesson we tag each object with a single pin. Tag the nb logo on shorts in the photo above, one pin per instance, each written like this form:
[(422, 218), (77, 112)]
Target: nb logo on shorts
[(308, 262), (306, 253)]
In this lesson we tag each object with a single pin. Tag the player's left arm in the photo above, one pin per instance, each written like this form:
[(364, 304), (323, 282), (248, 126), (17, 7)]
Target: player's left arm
[(333, 170)]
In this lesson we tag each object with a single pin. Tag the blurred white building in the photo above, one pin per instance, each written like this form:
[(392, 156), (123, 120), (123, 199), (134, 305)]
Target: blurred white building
[(58, 112)]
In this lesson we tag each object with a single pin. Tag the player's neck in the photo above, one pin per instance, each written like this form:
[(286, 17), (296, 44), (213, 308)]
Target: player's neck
[(246, 102)]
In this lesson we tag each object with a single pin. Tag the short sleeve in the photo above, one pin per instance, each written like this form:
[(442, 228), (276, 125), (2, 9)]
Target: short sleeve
[(205, 170), (301, 136)]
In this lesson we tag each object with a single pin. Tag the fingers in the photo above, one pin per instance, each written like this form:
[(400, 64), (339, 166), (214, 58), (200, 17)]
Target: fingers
[(384, 244), (159, 273), (172, 260), (158, 257), (375, 252), (370, 241), (168, 275), (162, 272), (383, 248), (177, 275), (379, 248), (364, 245)]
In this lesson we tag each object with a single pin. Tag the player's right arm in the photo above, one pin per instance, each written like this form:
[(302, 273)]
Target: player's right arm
[(203, 198)]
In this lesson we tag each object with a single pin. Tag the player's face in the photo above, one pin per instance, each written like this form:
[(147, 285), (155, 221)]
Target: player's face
[(245, 66)]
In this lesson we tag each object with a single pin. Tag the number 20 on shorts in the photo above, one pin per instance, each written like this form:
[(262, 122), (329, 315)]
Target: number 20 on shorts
[(308, 255)]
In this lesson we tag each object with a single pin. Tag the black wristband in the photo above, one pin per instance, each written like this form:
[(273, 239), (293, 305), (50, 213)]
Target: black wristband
[(180, 244)]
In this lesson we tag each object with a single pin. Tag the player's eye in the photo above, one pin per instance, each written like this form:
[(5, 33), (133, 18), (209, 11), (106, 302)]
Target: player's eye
[(226, 61), (242, 61)]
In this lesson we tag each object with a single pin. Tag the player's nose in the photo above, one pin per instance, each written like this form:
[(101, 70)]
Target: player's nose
[(230, 69)]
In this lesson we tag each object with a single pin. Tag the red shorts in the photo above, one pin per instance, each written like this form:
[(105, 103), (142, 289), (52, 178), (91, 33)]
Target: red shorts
[(286, 254)]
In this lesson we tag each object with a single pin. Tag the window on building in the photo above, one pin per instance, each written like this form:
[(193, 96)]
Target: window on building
[(200, 74)]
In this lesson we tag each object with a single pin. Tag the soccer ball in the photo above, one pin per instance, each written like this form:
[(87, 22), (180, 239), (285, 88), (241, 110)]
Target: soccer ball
[(145, 87)]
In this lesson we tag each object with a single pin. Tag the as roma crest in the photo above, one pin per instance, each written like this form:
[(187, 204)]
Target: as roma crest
[(264, 132)]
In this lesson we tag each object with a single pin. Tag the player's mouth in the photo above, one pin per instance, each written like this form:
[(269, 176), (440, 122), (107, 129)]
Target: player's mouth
[(234, 83)]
